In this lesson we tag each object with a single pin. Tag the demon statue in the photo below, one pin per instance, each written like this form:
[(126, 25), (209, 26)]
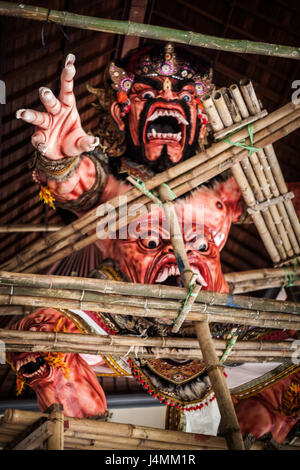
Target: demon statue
[(150, 118)]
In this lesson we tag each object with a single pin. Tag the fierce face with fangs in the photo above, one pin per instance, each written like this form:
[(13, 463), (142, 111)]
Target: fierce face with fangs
[(146, 255), (162, 123), (58, 377)]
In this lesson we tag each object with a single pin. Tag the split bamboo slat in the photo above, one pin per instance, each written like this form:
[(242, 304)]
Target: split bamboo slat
[(258, 175), (92, 434)]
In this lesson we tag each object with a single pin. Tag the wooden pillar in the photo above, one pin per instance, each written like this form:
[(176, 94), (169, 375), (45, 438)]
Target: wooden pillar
[(214, 369), (56, 441)]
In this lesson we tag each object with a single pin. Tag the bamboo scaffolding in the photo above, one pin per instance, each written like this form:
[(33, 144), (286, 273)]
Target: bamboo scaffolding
[(253, 175), (132, 292), (93, 429), (129, 28), (61, 243), (81, 433)]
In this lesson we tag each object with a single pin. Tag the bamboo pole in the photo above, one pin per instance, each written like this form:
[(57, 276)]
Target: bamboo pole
[(222, 108), (129, 28), (258, 279), (237, 96), (30, 228), (258, 274), (56, 440), (212, 113), (157, 292), (174, 348), (115, 304), (65, 237), (94, 440)]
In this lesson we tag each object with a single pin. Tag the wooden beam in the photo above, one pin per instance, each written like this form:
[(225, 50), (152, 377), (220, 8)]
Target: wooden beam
[(137, 15)]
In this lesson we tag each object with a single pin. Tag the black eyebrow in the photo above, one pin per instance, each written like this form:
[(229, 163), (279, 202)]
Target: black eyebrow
[(158, 85)]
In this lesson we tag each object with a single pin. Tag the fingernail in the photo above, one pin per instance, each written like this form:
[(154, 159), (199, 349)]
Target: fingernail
[(28, 115), (44, 92), (70, 60), (19, 113)]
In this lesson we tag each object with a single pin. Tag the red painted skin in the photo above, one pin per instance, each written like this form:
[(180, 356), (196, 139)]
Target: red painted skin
[(80, 394), (259, 414), (59, 134), (147, 249)]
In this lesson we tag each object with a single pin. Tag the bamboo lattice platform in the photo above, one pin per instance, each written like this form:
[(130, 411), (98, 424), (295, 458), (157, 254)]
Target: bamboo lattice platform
[(26, 430)]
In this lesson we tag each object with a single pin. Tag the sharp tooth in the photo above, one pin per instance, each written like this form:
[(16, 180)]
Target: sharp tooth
[(164, 136), (18, 365), (159, 135), (154, 116), (170, 135), (162, 276), (181, 119), (177, 272)]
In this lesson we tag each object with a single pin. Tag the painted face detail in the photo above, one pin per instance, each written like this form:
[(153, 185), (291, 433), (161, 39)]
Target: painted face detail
[(58, 378), (147, 256), (162, 121), (151, 260)]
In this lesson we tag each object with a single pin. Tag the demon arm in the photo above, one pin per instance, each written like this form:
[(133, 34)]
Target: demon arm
[(66, 159)]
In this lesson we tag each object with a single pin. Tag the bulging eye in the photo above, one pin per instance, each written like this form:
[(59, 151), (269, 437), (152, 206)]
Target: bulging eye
[(147, 95), (186, 97), (199, 244), (203, 246), (150, 243)]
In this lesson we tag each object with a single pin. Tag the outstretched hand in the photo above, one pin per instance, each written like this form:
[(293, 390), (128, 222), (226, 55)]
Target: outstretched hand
[(58, 132)]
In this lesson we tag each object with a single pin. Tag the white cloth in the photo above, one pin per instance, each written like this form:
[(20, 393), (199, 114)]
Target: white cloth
[(204, 421), (246, 372)]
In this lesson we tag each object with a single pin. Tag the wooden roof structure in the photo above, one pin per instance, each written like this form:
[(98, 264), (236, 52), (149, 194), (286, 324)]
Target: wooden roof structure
[(32, 53)]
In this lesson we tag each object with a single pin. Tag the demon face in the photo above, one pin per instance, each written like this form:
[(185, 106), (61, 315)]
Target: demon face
[(146, 255), (158, 104), (58, 377), (162, 122)]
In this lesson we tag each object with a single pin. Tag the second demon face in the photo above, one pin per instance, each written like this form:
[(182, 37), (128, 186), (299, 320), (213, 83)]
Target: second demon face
[(162, 121), (147, 256)]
